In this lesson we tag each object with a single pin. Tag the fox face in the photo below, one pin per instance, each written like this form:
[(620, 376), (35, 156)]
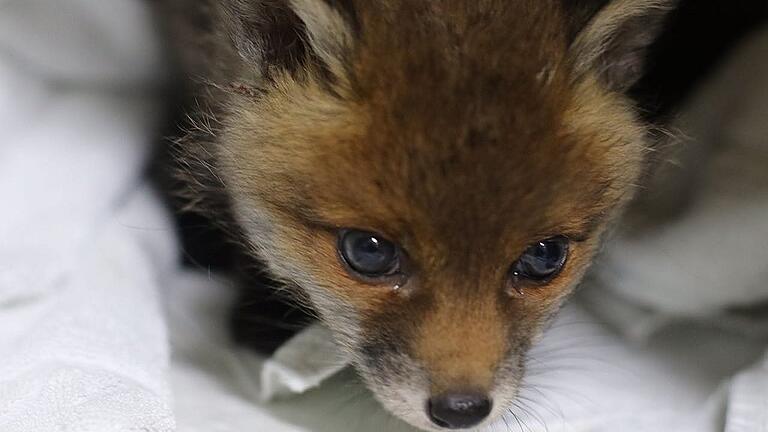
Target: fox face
[(433, 177)]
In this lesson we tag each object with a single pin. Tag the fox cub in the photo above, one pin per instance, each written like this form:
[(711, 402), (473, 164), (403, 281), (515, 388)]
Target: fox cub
[(430, 179)]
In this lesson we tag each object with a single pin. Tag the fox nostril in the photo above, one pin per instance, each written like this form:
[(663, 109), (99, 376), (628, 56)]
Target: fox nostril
[(458, 410)]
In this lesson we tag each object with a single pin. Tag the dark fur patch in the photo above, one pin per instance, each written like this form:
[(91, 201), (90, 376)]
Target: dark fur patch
[(272, 30), (579, 12)]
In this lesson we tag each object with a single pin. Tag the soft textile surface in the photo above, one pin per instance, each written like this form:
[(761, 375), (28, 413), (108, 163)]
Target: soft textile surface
[(720, 239), (102, 330), (84, 246)]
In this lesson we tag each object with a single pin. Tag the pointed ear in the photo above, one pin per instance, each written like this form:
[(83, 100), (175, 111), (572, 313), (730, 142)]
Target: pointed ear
[(614, 44), (289, 35), (329, 29)]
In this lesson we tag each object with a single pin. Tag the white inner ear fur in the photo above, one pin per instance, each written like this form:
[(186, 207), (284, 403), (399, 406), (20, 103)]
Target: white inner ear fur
[(597, 38), (329, 34)]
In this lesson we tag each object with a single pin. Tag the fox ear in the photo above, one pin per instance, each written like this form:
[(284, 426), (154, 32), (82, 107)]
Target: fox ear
[(614, 43), (289, 35)]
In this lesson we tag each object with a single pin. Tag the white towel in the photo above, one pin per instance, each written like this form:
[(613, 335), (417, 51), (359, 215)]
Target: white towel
[(84, 245), (709, 264), (712, 256)]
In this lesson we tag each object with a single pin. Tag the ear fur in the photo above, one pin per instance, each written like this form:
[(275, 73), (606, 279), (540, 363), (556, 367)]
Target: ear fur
[(579, 13), (615, 43), (288, 35), (328, 32)]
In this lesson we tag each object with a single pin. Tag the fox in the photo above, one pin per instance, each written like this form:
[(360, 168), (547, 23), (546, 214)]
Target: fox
[(429, 179)]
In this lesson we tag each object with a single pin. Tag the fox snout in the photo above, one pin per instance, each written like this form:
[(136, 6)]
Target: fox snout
[(461, 347), (452, 364), (461, 363)]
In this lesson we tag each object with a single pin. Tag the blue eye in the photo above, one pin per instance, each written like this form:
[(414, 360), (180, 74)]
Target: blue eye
[(369, 254), (542, 261)]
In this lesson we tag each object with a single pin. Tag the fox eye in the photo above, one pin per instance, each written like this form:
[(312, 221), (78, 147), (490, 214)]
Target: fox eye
[(369, 254), (542, 261)]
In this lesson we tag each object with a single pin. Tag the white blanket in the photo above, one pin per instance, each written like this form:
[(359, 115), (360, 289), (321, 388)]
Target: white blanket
[(84, 246), (102, 330)]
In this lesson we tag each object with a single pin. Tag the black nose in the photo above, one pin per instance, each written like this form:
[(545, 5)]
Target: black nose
[(459, 410)]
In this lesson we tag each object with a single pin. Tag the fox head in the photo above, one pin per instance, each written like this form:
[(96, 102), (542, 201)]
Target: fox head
[(433, 176)]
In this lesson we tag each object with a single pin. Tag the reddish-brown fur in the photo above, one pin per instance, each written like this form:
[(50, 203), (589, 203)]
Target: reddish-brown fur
[(462, 130)]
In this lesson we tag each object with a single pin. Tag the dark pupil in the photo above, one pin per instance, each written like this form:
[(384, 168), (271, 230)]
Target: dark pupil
[(541, 260), (369, 254)]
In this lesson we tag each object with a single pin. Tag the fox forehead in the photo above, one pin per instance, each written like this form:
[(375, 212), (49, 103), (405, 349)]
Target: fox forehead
[(442, 126)]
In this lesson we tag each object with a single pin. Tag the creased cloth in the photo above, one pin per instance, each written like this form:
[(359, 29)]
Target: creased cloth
[(84, 244), (709, 262)]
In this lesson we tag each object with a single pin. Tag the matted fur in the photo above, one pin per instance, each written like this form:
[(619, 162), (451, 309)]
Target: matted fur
[(463, 130)]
